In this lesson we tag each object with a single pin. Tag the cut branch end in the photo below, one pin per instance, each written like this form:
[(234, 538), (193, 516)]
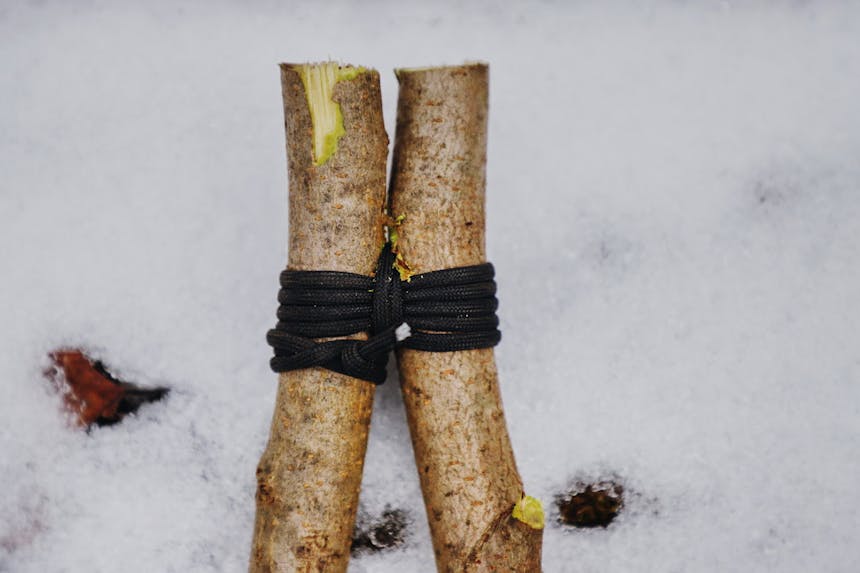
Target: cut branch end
[(326, 117)]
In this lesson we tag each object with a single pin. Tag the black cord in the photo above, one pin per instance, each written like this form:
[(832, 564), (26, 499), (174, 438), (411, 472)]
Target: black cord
[(447, 310)]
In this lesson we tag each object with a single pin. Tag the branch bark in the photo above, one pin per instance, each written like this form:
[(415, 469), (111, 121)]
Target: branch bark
[(465, 462), (309, 476)]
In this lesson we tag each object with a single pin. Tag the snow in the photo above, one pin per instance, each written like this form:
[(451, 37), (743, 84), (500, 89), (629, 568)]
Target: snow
[(672, 212), (402, 332)]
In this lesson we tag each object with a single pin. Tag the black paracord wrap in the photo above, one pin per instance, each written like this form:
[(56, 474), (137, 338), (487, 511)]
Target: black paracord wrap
[(447, 310)]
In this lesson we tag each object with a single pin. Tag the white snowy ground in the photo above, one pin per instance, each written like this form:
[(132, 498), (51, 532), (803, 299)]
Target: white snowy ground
[(674, 213)]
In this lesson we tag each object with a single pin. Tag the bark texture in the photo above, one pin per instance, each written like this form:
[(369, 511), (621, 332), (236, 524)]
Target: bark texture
[(465, 462), (309, 476)]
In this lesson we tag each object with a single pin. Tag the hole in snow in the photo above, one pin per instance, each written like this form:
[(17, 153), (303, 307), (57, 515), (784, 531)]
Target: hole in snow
[(91, 393), (590, 504), (387, 531)]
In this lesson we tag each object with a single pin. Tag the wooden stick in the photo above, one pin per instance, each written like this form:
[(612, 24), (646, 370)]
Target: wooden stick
[(310, 474), (462, 449)]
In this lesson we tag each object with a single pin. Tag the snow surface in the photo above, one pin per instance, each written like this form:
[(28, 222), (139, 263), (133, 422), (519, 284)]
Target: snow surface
[(674, 214)]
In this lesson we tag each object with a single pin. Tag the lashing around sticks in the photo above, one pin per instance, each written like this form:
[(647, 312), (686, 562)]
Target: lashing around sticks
[(439, 311)]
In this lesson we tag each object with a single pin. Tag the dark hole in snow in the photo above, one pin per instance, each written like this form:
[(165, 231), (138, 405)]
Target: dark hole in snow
[(387, 531), (92, 393), (590, 504)]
